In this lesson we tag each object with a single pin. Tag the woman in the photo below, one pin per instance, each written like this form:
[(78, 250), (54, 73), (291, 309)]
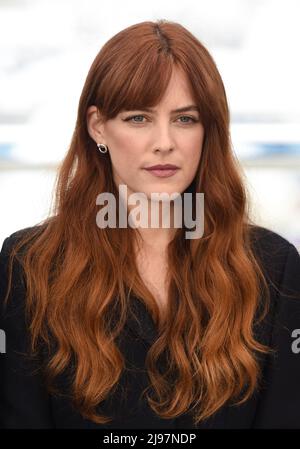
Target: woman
[(137, 326)]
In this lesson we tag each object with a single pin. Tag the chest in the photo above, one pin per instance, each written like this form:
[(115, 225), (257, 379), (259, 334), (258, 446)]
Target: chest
[(153, 271)]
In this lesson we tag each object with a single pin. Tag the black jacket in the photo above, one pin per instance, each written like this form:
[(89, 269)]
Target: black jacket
[(25, 403)]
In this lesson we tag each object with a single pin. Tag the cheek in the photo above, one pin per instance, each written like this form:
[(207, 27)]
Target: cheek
[(193, 154), (192, 141), (126, 160), (124, 149)]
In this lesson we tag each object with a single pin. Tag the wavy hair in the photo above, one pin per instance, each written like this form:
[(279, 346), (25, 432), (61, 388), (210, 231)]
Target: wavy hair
[(80, 277)]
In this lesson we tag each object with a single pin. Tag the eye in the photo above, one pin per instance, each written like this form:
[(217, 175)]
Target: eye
[(132, 117), (190, 118)]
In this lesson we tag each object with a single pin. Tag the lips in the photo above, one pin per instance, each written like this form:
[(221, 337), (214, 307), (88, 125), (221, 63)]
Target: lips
[(162, 170), (162, 167)]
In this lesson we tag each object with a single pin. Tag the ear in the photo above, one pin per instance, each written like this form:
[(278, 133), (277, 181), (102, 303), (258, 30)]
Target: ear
[(95, 124)]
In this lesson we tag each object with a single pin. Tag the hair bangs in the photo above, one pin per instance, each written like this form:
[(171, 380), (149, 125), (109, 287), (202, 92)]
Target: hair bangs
[(138, 86)]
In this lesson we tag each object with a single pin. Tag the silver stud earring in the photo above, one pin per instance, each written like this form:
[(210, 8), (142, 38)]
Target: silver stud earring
[(102, 147)]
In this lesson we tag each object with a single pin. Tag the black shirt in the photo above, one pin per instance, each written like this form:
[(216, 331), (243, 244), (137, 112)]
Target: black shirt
[(25, 402)]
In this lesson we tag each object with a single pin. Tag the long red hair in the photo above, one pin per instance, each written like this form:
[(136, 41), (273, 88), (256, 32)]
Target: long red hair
[(75, 271)]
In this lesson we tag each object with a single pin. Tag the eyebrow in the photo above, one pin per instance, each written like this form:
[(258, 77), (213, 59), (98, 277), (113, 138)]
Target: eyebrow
[(190, 107)]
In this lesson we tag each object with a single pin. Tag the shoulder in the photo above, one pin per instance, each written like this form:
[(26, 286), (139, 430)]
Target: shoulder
[(266, 240), (11, 271), (280, 259), (12, 239)]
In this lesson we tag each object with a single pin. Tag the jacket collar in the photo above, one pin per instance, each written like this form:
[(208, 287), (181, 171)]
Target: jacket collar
[(140, 321)]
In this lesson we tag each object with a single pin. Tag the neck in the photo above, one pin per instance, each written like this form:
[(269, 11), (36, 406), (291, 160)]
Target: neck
[(156, 239)]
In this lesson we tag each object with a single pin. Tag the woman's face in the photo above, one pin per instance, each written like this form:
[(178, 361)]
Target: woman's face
[(137, 139)]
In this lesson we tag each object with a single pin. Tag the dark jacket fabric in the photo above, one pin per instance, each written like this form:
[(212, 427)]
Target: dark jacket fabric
[(25, 402)]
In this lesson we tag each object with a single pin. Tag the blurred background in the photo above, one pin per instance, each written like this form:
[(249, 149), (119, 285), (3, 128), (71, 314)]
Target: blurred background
[(47, 47)]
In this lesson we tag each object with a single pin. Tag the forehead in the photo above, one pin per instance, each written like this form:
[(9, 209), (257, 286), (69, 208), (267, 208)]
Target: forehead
[(179, 89), (168, 89), (177, 97), (191, 107)]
